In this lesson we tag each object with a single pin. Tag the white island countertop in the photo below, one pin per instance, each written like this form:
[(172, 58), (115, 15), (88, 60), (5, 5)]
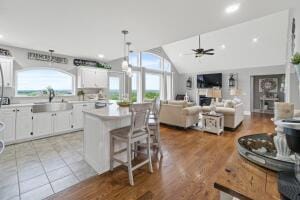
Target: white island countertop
[(110, 112)]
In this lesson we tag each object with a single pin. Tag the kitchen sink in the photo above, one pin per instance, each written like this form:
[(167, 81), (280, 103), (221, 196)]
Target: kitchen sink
[(51, 107)]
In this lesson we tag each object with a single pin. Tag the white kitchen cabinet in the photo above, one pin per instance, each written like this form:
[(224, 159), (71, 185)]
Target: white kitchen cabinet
[(101, 79), (8, 116), (77, 116), (89, 77), (24, 123), (42, 124), (78, 113), (7, 67), (62, 121)]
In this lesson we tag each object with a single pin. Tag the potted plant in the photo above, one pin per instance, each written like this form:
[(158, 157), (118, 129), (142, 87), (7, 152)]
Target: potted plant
[(80, 94), (296, 63)]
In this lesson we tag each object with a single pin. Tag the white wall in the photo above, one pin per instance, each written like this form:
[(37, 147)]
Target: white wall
[(21, 61), (244, 82)]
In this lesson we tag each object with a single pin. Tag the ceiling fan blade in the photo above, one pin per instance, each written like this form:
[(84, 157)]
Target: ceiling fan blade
[(208, 50), (209, 53)]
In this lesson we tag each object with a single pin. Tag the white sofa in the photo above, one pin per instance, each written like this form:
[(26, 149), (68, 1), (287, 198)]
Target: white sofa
[(233, 117), (179, 113)]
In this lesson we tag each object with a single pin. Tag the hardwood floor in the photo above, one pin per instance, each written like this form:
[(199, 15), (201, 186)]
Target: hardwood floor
[(187, 171)]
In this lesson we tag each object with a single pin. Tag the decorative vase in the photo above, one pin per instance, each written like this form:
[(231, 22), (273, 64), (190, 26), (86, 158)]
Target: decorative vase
[(283, 151), (297, 68)]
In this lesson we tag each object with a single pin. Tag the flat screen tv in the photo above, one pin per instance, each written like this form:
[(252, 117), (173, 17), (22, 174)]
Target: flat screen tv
[(209, 80)]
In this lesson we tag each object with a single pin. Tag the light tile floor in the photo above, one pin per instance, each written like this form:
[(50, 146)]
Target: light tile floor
[(40, 168)]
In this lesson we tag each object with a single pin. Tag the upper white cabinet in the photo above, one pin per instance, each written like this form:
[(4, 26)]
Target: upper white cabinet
[(7, 66), (89, 77)]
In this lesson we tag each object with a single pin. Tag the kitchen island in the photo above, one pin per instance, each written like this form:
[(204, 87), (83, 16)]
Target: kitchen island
[(97, 124)]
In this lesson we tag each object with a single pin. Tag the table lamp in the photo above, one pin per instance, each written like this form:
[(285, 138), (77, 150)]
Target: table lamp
[(214, 93)]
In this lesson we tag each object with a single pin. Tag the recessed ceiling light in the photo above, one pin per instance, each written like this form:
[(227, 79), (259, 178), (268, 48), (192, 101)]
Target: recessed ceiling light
[(223, 46), (255, 40), (100, 55), (232, 8), (1, 36)]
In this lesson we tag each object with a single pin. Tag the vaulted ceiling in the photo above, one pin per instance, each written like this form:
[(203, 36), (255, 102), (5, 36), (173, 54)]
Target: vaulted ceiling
[(88, 28), (256, 43)]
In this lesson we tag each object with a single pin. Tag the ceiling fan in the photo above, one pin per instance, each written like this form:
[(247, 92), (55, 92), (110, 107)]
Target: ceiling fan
[(201, 52)]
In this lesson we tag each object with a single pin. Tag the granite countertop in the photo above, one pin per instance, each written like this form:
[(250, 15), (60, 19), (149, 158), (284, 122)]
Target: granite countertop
[(14, 105), (110, 112), (17, 105)]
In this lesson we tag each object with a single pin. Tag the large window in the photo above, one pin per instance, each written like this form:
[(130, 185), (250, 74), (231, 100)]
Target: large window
[(134, 59), (152, 77), (135, 87), (169, 87), (167, 66), (152, 86), (114, 88), (151, 61), (35, 82)]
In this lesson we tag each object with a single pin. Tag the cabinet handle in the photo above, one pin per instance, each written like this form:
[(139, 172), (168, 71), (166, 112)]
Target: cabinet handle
[(31, 133), (18, 110), (14, 110)]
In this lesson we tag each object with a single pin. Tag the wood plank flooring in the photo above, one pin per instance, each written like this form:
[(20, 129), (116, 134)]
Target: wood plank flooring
[(188, 169)]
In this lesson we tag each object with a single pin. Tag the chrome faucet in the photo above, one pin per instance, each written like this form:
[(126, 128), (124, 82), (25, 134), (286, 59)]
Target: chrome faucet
[(51, 94)]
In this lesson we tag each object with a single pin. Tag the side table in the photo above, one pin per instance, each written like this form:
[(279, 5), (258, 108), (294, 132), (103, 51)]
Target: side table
[(213, 123)]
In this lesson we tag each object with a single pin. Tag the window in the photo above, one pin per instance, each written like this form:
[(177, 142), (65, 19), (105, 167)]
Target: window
[(167, 66), (135, 87), (169, 87), (134, 59), (34, 82), (151, 61), (152, 86), (114, 88)]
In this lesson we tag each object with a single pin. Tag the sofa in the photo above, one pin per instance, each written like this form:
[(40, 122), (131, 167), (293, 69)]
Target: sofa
[(179, 113), (233, 114)]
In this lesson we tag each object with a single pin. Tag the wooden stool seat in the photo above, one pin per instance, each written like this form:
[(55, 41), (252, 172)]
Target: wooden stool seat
[(137, 132)]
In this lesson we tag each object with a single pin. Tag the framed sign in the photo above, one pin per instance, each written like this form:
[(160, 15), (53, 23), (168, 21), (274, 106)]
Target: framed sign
[(47, 58), (90, 63), (4, 52)]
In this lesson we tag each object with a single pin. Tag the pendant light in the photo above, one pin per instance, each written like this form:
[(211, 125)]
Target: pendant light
[(129, 70), (125, 62)]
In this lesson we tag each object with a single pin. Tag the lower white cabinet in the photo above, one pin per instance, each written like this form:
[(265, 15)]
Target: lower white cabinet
[(78, 113), (49, 123), (42, 124), (8, 116), (23, 123), (62, 121)]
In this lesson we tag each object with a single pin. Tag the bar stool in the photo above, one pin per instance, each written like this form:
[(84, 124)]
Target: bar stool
[(136, 132), (154, 124)]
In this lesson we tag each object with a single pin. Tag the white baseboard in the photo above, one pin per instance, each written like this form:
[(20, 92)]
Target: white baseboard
[(247, 112)]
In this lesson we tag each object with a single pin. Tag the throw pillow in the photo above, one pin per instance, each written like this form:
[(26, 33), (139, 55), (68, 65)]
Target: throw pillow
[(229, 104), (219, 104)]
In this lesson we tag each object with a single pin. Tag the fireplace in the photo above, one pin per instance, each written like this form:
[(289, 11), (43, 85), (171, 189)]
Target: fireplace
[(204, 101)]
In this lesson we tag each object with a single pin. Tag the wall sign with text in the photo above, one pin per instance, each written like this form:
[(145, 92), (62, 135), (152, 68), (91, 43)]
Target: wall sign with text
[(47, 58), (90, 63)]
